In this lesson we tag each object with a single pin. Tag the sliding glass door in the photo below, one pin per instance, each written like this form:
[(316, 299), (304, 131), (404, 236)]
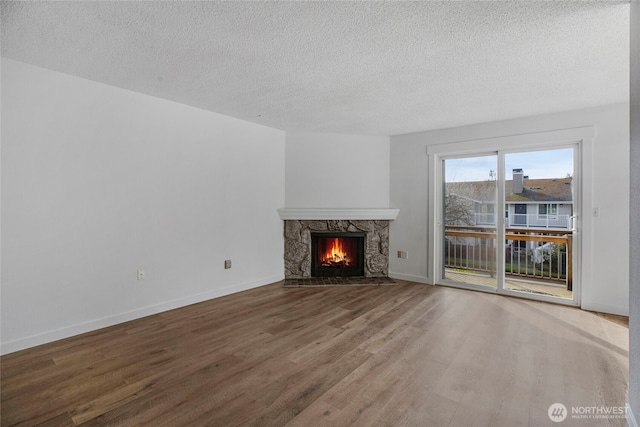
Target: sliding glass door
[(469, 201), (539, 237), (508, 222)]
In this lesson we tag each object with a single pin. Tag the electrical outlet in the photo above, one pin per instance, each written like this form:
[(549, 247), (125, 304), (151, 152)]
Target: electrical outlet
[(141, 274), (403, 254), (227, 263)]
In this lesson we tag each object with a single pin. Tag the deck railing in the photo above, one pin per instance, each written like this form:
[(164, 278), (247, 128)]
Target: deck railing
[(538, 221), (524, 220), (540, 254)]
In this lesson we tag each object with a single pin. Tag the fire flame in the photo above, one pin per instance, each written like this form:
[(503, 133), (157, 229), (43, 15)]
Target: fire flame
[(335, 251)]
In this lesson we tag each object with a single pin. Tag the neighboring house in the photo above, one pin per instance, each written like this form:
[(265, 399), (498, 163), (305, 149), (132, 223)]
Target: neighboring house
[(530, 203)]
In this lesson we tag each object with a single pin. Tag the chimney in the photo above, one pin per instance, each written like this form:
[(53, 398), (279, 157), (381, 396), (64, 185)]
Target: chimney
[(518, 185)]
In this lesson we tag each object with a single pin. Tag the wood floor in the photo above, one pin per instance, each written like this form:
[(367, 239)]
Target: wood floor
[(405, 355)]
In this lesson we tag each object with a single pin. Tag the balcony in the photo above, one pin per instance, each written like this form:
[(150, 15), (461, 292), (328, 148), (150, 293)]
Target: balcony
[(525, 220), (536, 260)]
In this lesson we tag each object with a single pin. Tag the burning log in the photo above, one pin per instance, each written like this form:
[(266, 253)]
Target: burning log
[(335, 264)]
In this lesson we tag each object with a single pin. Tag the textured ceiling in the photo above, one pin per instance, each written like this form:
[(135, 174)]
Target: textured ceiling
[(346, 67)]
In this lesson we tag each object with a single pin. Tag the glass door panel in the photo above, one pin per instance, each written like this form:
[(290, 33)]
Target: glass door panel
[(469, 226), (539, 206)]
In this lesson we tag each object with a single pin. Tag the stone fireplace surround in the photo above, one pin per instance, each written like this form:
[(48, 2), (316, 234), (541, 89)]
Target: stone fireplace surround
[(299, 223)]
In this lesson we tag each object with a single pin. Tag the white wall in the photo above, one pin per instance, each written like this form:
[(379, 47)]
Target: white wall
[(98, 182), (634, 246), (336, 171), (608, 275)]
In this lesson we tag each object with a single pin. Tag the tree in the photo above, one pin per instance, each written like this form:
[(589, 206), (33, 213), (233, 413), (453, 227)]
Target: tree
[(458, 209)]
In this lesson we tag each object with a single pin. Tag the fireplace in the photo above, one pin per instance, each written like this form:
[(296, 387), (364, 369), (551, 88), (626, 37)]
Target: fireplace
[(337, 254), (298, 257)]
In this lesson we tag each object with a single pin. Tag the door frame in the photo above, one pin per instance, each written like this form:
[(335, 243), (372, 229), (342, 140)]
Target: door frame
[(581, 139)]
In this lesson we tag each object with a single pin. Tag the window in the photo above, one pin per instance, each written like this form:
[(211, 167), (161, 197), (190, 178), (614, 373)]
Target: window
[(550, 210)]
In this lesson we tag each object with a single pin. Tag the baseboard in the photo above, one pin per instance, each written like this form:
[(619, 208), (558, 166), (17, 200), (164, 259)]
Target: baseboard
[(631, 419), (410, 278), (606, 308), (92, 325)]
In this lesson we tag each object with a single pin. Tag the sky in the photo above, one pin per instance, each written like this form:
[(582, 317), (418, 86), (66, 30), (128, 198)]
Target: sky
[(535, 165)]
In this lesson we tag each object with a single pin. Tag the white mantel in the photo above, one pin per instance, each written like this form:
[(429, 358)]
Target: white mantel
[(337, 214)]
